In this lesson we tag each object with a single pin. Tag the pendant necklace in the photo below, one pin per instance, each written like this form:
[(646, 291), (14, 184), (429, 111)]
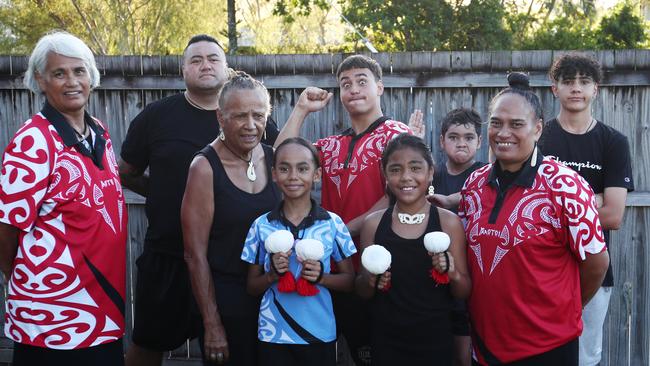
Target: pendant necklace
[(81, 136), (408, 219), (250, 171)]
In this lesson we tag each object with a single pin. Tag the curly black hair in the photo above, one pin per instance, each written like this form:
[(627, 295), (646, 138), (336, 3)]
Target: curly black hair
[(572, 64)]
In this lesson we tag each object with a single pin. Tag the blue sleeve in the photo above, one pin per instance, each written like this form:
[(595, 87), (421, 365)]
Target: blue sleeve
[(343, 244), (254, 251)]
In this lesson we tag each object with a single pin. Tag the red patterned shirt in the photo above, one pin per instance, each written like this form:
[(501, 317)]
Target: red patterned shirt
[(524, 249), (352, 177), (68, 280)]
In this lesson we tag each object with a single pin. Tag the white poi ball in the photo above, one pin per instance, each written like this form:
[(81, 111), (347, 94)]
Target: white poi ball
[(376, 259), (280, 241), (436, 242), (310, 249)]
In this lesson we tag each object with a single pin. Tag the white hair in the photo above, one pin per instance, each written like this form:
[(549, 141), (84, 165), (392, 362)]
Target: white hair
[(64, 44)]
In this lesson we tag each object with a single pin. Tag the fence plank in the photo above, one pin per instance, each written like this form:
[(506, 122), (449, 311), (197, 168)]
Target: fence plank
[(461, 60)]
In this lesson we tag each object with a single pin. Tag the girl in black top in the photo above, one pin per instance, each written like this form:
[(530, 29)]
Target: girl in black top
[(411, 319)]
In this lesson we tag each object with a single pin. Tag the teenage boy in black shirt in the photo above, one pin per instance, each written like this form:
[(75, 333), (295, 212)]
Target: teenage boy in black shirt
[(601, 155)]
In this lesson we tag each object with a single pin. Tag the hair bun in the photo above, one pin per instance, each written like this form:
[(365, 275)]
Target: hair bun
[(519, 80)]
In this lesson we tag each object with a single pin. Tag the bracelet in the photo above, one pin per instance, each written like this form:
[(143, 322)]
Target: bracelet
[(320, 275)]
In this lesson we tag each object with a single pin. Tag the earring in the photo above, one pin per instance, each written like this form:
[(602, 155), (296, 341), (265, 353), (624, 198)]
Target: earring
[(222, 137), (533, 159), (431, 190)]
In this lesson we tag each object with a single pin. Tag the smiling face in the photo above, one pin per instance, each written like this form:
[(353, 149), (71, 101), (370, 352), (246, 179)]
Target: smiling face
[(513, 131), (204, 66), (65, 82), (243, 118), (460, 143), (575, 93), (408, 175), (360, 92), (295, 171)]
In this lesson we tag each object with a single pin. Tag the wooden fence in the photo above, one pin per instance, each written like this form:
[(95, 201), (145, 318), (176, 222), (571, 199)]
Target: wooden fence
[(435, 82)]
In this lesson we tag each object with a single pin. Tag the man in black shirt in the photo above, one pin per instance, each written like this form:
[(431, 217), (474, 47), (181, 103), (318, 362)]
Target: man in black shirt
[(601, 155), (164, 138)]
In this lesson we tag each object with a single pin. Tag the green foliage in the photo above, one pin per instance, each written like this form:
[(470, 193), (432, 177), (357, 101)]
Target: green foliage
[(265, 33), (569, 32), (288, 9), (307, 26), (480, 25), (622, 29), (111, 26), (402, 25)]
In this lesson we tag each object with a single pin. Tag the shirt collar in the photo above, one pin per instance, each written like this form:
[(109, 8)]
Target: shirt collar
[(315, 213), (526, 176), (69, 136), (373, 126)]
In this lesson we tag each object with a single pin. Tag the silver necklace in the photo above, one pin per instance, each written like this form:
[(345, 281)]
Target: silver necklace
[(250, 171), (407, 219), (195, 104), (590, 124)]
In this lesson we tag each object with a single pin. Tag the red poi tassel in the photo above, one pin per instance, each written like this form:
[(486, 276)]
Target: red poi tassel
[(386, 287), (439, 278), (287, 283), (305, 288)]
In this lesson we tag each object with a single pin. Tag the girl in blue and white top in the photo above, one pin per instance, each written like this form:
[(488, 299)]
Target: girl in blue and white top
[(295, 329)]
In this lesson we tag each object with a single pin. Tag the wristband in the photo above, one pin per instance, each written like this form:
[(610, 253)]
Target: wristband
[(446, 262)]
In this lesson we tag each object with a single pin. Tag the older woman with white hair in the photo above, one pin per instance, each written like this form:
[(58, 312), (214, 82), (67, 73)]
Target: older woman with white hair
[(63, 220)]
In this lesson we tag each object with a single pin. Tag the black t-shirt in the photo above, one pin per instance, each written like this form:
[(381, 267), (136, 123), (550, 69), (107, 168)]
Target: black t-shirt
[(446, 184), (601, 156), (164, 137)]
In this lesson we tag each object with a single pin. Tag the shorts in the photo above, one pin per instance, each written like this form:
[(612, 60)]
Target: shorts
[(107, 354), (353, 321), (165, 313), (564, 355), (319, 354)]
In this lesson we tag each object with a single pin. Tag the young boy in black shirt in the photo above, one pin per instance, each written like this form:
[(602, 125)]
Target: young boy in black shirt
[(460, 138), (601, 155)]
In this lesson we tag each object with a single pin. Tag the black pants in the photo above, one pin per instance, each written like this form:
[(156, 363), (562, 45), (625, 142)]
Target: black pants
[(353, 321), (321, 354), (564, 355), (107, 354)]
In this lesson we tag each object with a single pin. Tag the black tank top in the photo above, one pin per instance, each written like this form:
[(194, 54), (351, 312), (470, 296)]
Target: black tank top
[(415, 309), (234, 212)]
